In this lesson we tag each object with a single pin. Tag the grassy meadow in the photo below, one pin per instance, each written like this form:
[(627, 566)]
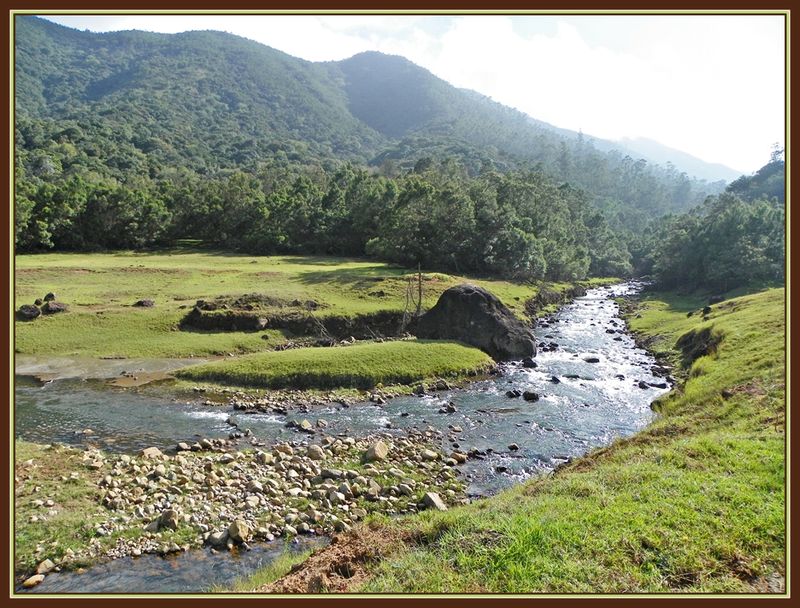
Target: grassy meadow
[(695, 503), (100, 289)]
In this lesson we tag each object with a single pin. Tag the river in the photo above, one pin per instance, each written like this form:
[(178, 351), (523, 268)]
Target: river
[(590, 393)]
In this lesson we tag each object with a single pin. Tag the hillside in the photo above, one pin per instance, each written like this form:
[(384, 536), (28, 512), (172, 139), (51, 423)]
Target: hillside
[(133, 103)]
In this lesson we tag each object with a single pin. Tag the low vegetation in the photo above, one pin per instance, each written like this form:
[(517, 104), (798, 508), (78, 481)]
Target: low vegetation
[(358, 366), (695, 503)]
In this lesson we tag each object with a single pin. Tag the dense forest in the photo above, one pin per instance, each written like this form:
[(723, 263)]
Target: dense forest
[(133, 139)]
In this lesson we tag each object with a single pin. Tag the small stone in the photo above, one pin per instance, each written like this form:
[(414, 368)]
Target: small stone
[(33, 581), (151, 453), (429, 455), (316, 452), (169, 519), (432, 499), (530, 396), (513, 447), (377, 451), (45, 567), (239, 531)]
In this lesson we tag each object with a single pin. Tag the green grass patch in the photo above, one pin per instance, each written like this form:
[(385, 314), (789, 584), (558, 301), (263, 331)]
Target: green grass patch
[(42, 473), (100, 288), (359, 366), (694, 503)]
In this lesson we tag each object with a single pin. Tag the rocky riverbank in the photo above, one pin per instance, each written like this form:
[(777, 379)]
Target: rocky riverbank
[(163, 503)]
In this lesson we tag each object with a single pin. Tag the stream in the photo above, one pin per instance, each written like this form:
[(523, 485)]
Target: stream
[(590, 386)]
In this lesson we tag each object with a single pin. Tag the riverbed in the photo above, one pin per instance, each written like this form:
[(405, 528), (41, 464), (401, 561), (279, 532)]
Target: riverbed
[(593, 385)]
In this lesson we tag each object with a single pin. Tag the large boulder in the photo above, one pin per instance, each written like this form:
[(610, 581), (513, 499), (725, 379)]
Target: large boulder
[(472, 315), (51, 307), (28, 312)]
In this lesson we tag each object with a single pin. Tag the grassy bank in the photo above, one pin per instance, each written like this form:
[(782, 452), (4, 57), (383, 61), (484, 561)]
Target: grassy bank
[(695, 503), (100, 288), (359, 366)]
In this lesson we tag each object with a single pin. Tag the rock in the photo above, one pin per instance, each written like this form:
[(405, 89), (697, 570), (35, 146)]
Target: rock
[(151, 453), (707, 310), (530, 396), (555, 380), (441, 385), (459, 457), (33, 581), (37, 302), (45, 567), (28, 312), (50, 297), (265, 458), (144, 303), (169, 519), (472, 315), (432, 500), (513, 447), (239, 531), (420, 389), (429, 455), (315, 452), (450, 408), (643, 385), (377, 451), (592, 359), (305, 426), (51, 308), (183, 447), (218, 539), (529, 363)]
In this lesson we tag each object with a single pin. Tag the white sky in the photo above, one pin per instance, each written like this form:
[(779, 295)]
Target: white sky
[(712, 86)]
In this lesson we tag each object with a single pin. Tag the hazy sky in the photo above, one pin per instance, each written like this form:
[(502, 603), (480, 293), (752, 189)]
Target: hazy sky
[(712, 86)]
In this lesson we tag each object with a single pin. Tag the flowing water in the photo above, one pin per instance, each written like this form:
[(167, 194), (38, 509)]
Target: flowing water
[(596, 398)]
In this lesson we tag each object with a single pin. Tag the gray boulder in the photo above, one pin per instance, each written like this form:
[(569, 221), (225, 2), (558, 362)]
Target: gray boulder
[(28, 312), (472, 315), (51, 307)]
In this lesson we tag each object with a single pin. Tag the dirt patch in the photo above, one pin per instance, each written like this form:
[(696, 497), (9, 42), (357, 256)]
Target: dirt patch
[(695, 344), (23, 272), (342, 565), (140, 379), (381, 324), (226, 320), (146, 270)]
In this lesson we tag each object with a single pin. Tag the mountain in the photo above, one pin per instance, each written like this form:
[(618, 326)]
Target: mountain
[(661, 154), (127, 104)]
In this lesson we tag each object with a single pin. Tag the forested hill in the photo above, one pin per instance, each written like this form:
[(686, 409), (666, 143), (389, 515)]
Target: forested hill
[(137, 103)]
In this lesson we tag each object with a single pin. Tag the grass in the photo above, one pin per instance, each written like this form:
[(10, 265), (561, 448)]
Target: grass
[(276, 568), (361, 366), (100, 288), (72, 527), (694, 503)]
